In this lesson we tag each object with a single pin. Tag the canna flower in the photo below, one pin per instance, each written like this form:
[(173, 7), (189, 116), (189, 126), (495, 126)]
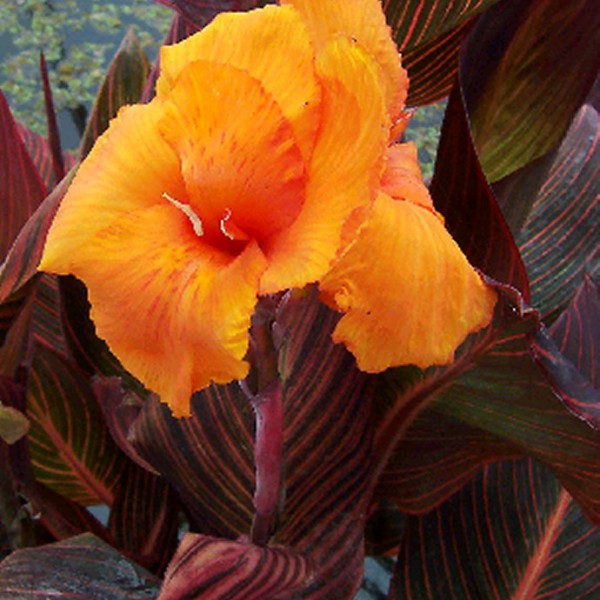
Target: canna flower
[(263, 164)]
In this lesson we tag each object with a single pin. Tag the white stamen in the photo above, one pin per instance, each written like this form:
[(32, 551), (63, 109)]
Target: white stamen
[(188, 211), (222, 224)]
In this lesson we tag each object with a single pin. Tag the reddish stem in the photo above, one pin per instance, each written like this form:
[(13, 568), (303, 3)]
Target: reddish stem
[(268, 458)]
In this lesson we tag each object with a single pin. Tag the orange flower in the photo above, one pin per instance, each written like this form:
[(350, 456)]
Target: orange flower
[(261, 165)]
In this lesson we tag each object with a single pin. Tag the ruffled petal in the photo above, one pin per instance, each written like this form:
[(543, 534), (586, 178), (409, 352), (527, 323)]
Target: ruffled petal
[(129, 168), (402, 178), (273, 46), (175, 310), (244, 173), (409, 294), (363, 21), (345, 170)]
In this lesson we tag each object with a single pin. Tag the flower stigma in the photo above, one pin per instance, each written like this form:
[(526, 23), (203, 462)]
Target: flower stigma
[(188, 211)]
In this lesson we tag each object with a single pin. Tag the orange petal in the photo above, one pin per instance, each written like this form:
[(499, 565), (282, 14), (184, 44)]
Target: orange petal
[(409, 294), (273, 45), (363, 21), (244, 172), (344, 172), (174, 310), (129, 168), (402, 179)]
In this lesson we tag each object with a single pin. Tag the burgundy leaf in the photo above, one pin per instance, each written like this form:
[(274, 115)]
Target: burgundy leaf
[(120, 409), (24, 257), (38, 323), (80, 567), (208, 458), (462, 194), (513, 532), (21, 187), (214, 569), (38, 148), (144, 518), (58, 165)]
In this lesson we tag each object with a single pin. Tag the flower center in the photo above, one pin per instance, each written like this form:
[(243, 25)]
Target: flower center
[(188, 211)]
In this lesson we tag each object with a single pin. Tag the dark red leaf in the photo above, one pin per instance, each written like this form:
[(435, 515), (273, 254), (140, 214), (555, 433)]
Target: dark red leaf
[(39, 151), (462, 194), (58, 165), (24, 257), (208, 458), (80, 567), (21, 187), (214, 569), (144, 518), (513, 532)]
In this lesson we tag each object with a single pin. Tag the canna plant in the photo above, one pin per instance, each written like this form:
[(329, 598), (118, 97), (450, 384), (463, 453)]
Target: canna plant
[(240, 320)]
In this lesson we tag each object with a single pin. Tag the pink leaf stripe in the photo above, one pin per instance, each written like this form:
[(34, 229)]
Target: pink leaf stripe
[(513, 533), (71, 449), (21, 187), (83, 563), (559, 241), (432, 67), (417, 22), (214, 569)]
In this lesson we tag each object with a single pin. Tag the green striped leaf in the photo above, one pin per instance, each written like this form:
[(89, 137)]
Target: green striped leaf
[(123, 84), (81, 567), (526, 68), (21, 187), (71, 449), (559, 239), (513, 532)]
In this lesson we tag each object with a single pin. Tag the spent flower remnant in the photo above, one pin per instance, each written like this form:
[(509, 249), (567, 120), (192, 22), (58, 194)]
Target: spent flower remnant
[(265, 162)]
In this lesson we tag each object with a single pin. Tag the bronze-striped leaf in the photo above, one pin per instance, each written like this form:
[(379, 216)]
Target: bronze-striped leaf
[(512, 533)]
